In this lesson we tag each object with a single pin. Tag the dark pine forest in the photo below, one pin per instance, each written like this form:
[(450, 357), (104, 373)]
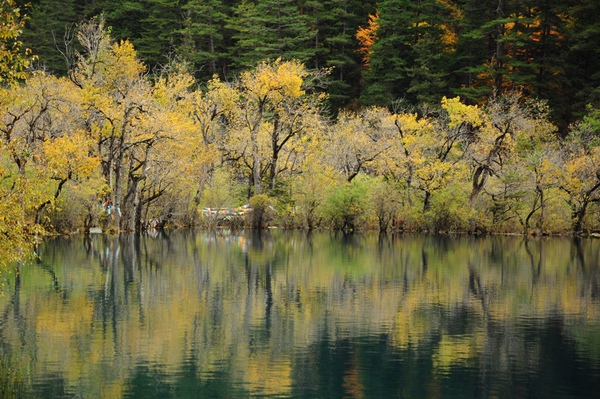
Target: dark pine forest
[(385, 53)]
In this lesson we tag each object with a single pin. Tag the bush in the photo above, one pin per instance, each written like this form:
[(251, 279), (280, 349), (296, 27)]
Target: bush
[(346, 207), (385, 201), (262, 211), (309, 192), (77, 208), (449, 212)]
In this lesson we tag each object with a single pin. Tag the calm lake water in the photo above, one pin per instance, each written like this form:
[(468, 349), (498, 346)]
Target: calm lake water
[(286, 314)]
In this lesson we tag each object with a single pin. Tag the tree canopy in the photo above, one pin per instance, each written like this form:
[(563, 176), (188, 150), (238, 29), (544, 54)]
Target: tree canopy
[(416, 52)]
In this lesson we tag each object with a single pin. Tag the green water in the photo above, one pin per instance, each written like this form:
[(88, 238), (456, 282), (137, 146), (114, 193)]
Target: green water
[(286, 314)]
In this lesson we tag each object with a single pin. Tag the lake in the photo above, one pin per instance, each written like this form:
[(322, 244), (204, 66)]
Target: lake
[(295, 315)]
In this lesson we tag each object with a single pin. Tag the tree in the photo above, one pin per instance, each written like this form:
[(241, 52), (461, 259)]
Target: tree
[(13, 60), (125, 18), (386, 48), (581, 168), (504, 120), (201, 149), (347, 205), (203, 36), (42, 148), (505, 45), (402, 159), (287, 31), (367, 36), (153, 26), (439, 148), (480, 49), (161, 34), (526, 184), (428, 150), (270, 115), (47, 30), (583, 59), (433, 47), (247, 33), (549, 46), (406, 52), (335, 22), (311, 188), (17, 228), (356, 141), (268, 30), (183, 159), (385, 200), (536, 174), (128, 118)]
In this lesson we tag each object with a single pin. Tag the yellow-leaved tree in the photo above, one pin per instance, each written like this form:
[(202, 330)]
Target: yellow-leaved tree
[(580, 179), (13, 59), (428, 158), (183, 156), (504, 121), (357, 141), (206, 109), (117, 102), (14, 239), (42, 148), (138, 126), (269, 116)]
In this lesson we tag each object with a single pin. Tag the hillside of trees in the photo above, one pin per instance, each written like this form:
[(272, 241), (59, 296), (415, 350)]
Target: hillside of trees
[(380, 52), (396, 116)]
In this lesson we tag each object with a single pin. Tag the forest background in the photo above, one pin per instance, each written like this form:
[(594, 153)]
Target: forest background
[(434, 115)]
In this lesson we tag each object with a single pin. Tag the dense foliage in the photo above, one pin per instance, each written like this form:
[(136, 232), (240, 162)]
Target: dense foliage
[(379, 52), (124, 137)]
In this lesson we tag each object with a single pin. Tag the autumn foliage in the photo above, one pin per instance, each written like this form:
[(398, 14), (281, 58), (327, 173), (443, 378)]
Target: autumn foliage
[(112, 146)]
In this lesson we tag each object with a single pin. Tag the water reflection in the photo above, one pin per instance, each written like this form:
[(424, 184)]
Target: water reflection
[(286, 314)]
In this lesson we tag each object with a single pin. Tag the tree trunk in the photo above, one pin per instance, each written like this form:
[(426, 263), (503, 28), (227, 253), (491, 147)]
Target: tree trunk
[(479, 178), (427, 201), (256, 175), (116, 185), (275, 147), (577, 217)]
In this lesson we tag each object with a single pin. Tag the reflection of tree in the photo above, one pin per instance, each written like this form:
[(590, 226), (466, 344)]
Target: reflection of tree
[(476, 289), (578, 252), (588, 265), (536, 267), (13, 381), (263, 315)]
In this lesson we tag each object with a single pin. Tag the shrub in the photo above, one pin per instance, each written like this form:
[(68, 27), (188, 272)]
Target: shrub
[(262, 211), (347, 205)]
